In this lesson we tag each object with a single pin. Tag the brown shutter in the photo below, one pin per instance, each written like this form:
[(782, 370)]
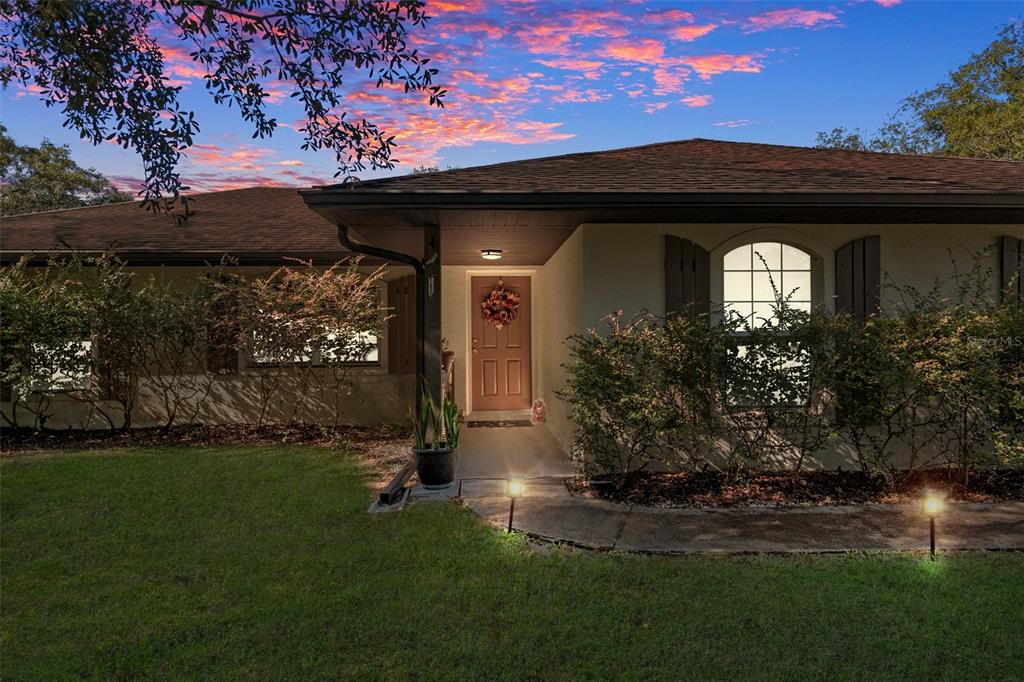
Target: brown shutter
[(402, 325), (687, 276), (1011, 258), (6, 390), (222, 339), (859, 277)]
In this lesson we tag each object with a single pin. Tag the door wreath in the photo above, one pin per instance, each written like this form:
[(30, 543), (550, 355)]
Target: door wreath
[(501, 306)]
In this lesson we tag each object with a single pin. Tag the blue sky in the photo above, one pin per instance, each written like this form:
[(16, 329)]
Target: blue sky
[(529, 78)]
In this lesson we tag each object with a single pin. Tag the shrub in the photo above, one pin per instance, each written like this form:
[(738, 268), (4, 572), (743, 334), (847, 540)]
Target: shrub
[(915, 387)]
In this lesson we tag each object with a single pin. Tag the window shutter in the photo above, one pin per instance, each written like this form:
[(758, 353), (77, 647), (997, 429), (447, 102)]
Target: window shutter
[(222, 340), (402, 325), (687, 276), (859, 277), (1010, 262), (6, 390)]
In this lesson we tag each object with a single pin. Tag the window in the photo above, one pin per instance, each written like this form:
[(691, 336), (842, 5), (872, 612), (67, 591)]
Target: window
[(756, 276), (357, 348), (66, 367)]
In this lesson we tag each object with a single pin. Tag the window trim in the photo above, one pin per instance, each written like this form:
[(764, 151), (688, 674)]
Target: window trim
[(822, 264)]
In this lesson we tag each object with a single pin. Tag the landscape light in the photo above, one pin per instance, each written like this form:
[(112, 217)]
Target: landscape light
[(514, 490), (932, 507), (490, 254)]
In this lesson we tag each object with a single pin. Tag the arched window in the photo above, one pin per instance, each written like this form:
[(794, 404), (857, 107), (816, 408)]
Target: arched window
[(756, 275)]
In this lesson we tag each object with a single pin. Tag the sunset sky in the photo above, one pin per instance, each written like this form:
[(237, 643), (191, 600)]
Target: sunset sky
[(530, 79)]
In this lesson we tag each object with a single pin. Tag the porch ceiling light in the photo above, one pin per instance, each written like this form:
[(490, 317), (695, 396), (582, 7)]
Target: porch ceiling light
[(490, 254)]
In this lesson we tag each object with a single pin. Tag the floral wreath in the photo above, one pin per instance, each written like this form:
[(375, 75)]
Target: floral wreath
[(501, 306)]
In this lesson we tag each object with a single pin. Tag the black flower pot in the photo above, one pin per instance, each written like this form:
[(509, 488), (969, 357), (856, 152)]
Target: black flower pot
[(435, 468)]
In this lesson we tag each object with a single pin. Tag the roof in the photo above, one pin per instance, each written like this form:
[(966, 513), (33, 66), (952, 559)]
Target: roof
[(256, 220), (717, 167)]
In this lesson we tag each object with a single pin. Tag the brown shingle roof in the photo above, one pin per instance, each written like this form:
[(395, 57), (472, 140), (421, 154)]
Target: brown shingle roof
[(241, 221), (711, 166), (271, 222)]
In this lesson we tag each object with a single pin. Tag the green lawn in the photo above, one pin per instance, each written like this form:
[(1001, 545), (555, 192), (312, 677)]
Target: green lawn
[(261, 563)]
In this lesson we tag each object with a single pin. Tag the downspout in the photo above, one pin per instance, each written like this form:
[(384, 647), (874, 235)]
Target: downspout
[(421, 298)]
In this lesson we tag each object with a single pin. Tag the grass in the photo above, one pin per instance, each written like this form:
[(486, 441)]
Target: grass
[(261, 563)]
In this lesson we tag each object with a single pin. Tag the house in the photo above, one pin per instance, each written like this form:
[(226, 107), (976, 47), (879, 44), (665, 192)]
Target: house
[(657, 227)]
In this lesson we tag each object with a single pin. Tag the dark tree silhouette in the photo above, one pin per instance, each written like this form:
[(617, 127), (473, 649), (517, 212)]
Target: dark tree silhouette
[(101, 62)]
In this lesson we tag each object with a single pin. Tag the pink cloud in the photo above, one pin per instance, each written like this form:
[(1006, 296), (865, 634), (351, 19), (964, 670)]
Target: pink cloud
[(571, 64), (640, 50), (888, 3), (668, 16), (574, 95), (738, 123), (435, 7), (589, 22), (544, 40), (791, 17), (690, 33), (179, 63), (697, 100), (709, 65), (654, 106), (669, 78)]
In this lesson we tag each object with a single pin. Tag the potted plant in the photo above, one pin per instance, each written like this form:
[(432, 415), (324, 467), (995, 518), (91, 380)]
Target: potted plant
[(436, 434)]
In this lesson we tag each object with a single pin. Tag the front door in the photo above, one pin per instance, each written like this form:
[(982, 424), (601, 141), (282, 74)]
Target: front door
[(501, 369)]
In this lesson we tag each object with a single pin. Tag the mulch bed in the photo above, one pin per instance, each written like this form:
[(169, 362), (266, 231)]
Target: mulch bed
[(773, 488), (383, 448)]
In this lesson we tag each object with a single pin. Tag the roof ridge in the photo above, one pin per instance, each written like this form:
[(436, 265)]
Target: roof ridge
[(452, 171), (70, 208), (869, 152), (456, 171)]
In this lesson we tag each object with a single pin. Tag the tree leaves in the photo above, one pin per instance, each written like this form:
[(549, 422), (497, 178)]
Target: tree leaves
[(99, 60), (978, 111), (45, 178)]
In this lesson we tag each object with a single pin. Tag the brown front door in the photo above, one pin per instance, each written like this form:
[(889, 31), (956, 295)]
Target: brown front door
[(501, 367)]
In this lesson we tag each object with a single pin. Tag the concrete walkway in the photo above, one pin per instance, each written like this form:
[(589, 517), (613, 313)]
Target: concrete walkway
[(549, 511)]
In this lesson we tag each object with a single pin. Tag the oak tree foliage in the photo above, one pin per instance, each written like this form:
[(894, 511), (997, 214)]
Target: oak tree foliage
[(977, 111), (46, 178), (101, 63)]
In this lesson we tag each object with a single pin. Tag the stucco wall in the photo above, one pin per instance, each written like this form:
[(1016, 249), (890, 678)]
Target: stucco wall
[(623, 265), (561, 279), (370, 396)]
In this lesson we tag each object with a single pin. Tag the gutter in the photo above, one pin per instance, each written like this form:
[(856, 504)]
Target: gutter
[(557, 200), (421, 297)]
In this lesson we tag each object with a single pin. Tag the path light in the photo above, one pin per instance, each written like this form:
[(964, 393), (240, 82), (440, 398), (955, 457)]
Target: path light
[(514, 490), (490, 254), (932, 506)]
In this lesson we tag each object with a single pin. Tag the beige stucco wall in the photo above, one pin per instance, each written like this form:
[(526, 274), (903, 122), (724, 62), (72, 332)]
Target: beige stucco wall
[(623, 265), (370, 395), (599, 269), (562, 280)]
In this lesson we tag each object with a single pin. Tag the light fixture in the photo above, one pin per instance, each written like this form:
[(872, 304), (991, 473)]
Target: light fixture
[(490, 254), (932, 507), (514, 490)]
